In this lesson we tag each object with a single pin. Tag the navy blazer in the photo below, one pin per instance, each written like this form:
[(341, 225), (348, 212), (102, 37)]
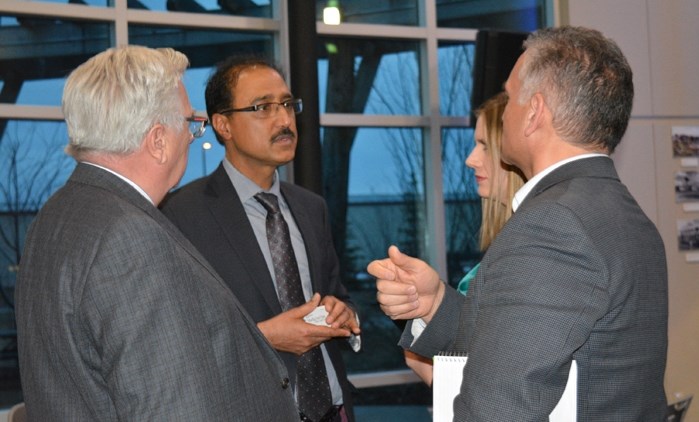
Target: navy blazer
[(211, 215)]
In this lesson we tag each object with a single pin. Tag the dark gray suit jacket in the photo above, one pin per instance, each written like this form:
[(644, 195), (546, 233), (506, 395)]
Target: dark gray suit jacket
[(578, 272), (120, 318), (211, 215)]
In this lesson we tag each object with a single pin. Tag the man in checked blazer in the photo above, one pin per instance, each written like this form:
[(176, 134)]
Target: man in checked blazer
[(119, 317), (578, 273), (253, 116)]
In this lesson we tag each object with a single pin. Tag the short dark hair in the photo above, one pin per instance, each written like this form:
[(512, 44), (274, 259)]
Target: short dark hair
[(220, 88)]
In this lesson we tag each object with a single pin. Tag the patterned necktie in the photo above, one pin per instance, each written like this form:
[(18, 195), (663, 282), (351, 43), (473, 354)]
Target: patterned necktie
[(313, 390)]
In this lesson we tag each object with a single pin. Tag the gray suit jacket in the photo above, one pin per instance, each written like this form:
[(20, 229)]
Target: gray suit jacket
[(120, 318), (578, 272), (210, 214)]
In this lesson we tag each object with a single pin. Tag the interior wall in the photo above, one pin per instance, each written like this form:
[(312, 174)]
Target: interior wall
[(660, 40)]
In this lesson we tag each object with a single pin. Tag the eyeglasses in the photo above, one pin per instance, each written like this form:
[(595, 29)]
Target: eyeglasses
[(197, 126), (265, 110)]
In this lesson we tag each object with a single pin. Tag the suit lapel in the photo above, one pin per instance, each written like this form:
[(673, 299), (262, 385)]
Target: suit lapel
[(229, 214)]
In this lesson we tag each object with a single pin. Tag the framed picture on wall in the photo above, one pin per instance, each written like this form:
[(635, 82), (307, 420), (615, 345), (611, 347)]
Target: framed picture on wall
[(685, 141), (686, 186), (688, 234)]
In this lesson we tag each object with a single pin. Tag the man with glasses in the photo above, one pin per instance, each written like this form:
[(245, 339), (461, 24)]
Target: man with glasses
[(227, 216), (119, 317)]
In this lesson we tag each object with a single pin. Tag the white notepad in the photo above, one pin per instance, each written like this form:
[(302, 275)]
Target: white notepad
[(446, 384)]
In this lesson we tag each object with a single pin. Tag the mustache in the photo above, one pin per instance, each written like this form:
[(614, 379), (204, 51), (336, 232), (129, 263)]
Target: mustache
[(283, 133)]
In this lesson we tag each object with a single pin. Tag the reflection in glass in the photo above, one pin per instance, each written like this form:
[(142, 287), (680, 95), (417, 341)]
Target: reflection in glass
[(33, 166), (102, 3), (462, 205), (517, 15), (205, 154), (33, 163), (38, 54), (455, 70), (403, 12), (251, 8), (369, 76), (380, 202), (204, 48)]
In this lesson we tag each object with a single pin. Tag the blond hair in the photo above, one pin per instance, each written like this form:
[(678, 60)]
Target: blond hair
[(497, 209)]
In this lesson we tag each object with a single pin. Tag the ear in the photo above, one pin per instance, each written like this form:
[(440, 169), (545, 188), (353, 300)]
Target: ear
[(535, 113), (222, 125), (155, 143)]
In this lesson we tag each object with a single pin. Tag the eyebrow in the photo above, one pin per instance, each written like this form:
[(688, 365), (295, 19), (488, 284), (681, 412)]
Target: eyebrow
[(270, 97)]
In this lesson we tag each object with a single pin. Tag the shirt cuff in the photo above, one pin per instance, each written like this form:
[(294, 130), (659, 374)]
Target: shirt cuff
[(416, 329)]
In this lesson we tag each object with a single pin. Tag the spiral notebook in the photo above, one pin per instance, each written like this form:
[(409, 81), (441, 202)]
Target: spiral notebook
[(446, 384)]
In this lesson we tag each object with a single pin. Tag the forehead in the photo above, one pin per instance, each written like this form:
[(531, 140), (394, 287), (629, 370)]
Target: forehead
[(513, 79), (479, 132), (182, 93), (260, 83)]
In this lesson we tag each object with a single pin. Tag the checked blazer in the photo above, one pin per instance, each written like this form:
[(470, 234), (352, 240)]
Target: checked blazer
[(120, 318), (578, 272)]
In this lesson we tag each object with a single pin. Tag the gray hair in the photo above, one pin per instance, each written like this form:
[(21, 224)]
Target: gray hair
[(113, 99), (586, 83)]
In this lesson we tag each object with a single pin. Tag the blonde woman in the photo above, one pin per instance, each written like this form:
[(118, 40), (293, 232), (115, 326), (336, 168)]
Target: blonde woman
[(497, 184)]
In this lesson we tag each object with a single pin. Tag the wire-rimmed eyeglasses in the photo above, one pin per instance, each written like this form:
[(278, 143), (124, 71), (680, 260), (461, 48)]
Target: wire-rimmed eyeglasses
[(264, 110), (197, 126)]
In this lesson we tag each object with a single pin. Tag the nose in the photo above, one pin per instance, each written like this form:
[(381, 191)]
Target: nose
[(471, 161), (283, 116)]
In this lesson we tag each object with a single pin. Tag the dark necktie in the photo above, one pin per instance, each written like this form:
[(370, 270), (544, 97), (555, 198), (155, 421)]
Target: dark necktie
[(313, 390)]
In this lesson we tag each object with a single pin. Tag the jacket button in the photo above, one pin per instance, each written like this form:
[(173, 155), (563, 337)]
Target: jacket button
[(285, 383)]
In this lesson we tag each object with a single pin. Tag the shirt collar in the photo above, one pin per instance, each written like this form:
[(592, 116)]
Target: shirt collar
[(531, 183), (125, 179), (245, 187)]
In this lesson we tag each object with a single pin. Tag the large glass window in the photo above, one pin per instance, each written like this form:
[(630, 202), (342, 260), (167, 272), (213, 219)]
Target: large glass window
[(394, 93), (462, 205), (32, 166), (516, 15), (404, 12), (396, 113), (85, 2), (252, 8), (385, 196), (38, 53), (203, 47), (455, 60), (357, 75)]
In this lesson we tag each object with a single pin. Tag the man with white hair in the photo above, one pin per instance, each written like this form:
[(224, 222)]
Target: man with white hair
[(118, 316)]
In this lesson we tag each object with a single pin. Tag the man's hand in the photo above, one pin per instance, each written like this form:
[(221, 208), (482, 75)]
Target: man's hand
[(407, 288), (340, 315), (288, 332)]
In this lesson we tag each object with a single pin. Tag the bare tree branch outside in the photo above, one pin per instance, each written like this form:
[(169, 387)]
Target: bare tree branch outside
[(32, 166)]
